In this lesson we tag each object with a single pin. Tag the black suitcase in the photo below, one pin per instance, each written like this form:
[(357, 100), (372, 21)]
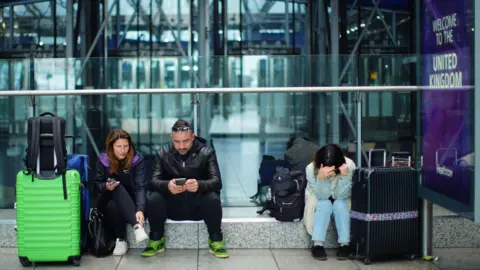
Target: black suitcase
[(385, 212)]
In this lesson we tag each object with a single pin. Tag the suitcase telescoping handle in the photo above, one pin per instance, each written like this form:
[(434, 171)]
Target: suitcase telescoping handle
[(377, 150), (48, 113)]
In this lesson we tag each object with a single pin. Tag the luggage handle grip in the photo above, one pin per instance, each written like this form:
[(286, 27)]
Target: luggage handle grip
[(47, 113), (377, 150)]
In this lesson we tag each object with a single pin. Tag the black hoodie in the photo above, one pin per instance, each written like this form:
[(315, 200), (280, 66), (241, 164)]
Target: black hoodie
[(199, 163)]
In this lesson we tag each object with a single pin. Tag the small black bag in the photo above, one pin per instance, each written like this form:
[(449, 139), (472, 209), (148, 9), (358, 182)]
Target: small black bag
[(101, 238), (287, 195)]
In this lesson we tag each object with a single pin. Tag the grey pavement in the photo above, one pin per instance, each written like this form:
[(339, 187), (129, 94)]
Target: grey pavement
[(264, 259)]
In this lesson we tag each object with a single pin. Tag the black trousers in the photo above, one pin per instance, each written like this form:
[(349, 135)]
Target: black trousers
[(185, 206), (119, 209)]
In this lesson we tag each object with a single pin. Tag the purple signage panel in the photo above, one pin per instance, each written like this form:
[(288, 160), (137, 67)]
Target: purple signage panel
[(447, 30)]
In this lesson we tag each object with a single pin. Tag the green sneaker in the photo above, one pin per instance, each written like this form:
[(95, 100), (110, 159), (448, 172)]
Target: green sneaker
[(154, 247), (217, 249)]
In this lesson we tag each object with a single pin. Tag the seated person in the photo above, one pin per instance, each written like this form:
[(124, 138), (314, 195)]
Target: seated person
[(329, 178), (120, 179), (185, 185)]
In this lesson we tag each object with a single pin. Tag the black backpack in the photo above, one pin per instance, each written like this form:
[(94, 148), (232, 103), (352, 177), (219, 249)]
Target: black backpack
[(46, 153), (286, 200)]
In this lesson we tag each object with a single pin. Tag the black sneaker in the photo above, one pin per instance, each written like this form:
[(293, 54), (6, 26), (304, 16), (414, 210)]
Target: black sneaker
[(344, 253), (318, 252)]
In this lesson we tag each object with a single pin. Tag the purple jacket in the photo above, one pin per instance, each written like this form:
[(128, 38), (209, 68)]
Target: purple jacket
[(137, 178)]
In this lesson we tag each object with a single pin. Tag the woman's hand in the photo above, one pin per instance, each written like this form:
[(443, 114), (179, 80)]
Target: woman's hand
[(111, 186), (140, 217), (325, 172)]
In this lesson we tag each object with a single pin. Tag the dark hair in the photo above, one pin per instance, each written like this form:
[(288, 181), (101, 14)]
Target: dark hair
[(181, 125), (115, 135), (329, 155)]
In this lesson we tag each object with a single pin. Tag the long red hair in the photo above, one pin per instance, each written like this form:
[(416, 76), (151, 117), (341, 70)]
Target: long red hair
[(112, 137)]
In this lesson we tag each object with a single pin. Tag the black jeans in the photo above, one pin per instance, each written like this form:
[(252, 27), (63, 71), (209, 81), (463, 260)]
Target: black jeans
[(119, 209), (185, 206)]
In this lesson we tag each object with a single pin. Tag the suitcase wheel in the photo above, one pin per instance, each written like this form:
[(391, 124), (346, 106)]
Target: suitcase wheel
[(75, 260), (24, 261), (367, 260)]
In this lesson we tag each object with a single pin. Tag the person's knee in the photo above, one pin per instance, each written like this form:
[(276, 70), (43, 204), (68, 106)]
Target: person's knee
[(155, 199), (324, 206), (110, 210), (111, 207), (340, 205)]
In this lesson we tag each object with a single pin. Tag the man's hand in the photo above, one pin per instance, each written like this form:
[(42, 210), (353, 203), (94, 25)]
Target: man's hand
[(343, 170), (140, 217), (191, 185), (111, 186), (325, 172), (174, 189)]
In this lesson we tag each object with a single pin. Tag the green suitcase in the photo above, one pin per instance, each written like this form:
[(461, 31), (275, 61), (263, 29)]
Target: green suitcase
[(48, 217)]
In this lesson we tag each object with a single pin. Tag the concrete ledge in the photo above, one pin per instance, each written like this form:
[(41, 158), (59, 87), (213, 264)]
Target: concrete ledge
[(264, 232), (238, 233)]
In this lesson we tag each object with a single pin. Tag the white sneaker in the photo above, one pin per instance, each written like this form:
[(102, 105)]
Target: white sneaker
[(140, 234), (121, 248)]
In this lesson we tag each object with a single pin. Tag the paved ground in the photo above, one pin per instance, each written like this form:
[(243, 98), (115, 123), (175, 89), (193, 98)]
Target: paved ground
[(263, 259)]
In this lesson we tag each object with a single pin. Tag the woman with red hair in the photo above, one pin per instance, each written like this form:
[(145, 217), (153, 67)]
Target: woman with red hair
[(121, 182)]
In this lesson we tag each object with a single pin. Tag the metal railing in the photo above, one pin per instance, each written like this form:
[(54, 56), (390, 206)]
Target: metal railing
[(214, 90)]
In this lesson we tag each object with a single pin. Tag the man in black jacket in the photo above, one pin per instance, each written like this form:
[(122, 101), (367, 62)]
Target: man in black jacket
[(185, 185)]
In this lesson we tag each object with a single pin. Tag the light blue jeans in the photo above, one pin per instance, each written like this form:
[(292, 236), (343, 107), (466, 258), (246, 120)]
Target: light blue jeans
[(322, 217)]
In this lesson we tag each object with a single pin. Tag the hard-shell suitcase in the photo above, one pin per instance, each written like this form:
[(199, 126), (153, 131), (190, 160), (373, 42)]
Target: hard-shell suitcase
[(384, 214), (48, 198), (48, 225)]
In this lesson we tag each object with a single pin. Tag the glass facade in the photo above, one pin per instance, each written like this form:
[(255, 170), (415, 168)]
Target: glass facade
[(241, 127), (234, 43)]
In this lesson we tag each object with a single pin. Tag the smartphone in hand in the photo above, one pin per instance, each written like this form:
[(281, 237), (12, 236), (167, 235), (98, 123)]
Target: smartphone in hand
[(111, 180), (180, 181)]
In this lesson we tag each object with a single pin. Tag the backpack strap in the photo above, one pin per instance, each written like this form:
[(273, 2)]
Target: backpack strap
[(33, 148), (59, 153), (86, 167)]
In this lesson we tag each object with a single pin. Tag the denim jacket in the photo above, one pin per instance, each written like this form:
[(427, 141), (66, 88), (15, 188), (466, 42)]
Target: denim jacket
[(338, 187)]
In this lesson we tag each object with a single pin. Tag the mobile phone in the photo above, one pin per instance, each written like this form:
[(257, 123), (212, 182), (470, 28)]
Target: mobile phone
[(180, 181), (111, 180)]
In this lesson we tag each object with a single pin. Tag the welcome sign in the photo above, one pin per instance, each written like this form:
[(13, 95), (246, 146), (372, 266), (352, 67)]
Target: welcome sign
[(447, 110)]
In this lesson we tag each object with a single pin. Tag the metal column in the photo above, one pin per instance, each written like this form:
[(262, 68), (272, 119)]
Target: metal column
[(427, 209), (105, 43), (204, 53), (335, 62), (286, 24), (69, 61), (358, 101), (322, 17), (225, 97), (476, 199), (11, 26)]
